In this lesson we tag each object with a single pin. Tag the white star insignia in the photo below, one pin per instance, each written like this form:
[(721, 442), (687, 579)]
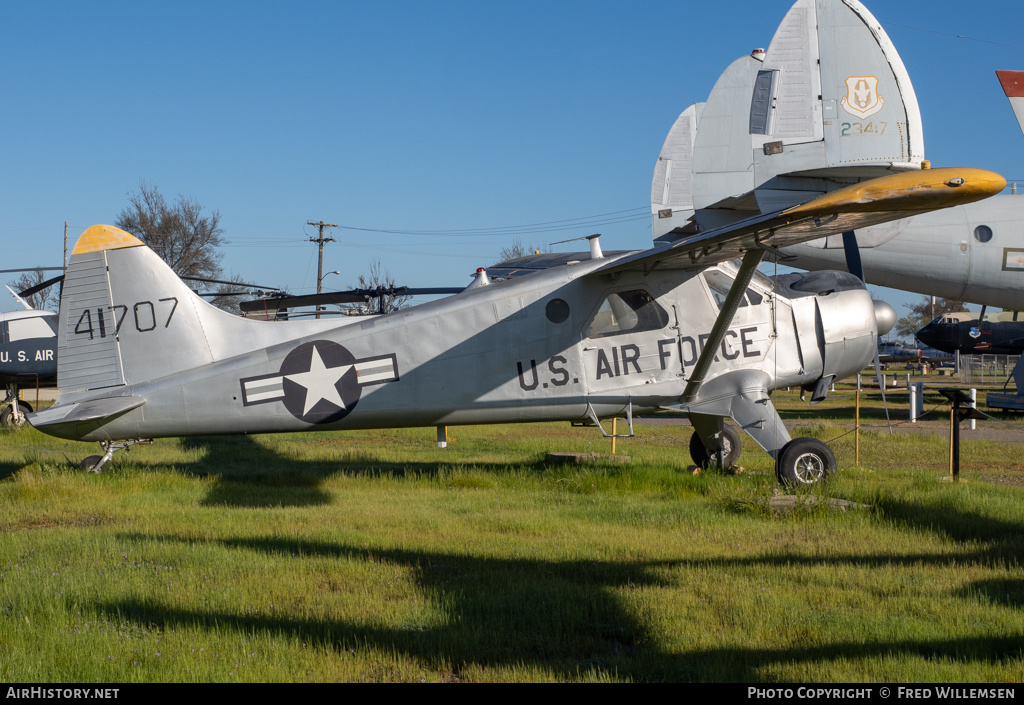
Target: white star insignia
[(320, 382)]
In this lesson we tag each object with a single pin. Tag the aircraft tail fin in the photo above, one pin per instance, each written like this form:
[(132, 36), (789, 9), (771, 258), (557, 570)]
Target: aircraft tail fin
[(119, 297), (1013, 87), (126, 318), (829, 102)]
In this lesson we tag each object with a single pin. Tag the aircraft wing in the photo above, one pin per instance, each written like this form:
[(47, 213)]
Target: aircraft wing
[(852, 207)]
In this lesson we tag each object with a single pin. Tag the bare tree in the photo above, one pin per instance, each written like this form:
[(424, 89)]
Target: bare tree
[(45, 300), (185, 238), (383, 283), (515, 251), (923, 312)]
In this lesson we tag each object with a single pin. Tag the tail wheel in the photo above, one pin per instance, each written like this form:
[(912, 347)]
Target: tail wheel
[(731, 447), (804, 462)]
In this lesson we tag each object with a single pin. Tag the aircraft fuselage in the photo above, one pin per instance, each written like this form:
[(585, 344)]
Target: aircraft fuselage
[(551, 346)]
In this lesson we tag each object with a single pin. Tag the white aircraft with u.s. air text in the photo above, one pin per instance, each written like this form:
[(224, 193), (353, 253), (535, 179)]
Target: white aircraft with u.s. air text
[(689, 325)]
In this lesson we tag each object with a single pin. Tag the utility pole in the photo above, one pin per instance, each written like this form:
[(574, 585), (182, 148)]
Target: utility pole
[(320, 262)]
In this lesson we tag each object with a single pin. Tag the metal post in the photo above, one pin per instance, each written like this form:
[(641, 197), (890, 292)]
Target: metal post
[(974, 405), (614, 422), (913, 402), (442, 436)]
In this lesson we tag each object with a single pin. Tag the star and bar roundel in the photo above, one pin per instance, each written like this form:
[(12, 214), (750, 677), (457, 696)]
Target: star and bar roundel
[(320, 381)]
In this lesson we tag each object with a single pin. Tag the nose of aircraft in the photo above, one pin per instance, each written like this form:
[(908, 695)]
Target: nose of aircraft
[(885, 317)]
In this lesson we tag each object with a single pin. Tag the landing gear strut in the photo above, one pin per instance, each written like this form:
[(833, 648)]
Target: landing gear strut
[(95, 463), (14, 413)]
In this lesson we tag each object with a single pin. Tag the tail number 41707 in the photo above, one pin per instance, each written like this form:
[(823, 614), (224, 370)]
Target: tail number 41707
[(102, 321)]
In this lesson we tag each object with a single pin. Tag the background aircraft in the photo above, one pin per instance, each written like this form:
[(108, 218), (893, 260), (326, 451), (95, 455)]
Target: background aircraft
[(561, 336), (28, 342), (1001, 334), (973, 253)]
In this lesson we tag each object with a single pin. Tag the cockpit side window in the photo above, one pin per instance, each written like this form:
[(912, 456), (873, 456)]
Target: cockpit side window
[(719, 283), (624, 312)]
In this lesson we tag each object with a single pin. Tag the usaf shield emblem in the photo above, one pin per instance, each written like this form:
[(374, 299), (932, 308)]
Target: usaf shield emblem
[(862, 99), (975, 332)]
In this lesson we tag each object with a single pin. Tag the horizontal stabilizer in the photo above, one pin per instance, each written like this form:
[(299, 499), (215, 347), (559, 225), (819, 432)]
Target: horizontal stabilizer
[(92, 412)]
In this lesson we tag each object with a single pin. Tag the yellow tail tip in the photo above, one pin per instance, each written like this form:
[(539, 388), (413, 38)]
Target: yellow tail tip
[(104, 237)]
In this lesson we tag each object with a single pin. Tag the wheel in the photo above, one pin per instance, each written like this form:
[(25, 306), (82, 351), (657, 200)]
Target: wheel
[(805, 461), (90, 463), (7, 415), (731, 447)]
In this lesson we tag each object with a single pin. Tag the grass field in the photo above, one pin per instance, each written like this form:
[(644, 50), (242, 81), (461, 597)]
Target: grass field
[(375, 556)]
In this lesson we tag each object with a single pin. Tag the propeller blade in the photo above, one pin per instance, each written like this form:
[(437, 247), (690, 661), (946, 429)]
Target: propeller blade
[(39, 287), (853, 264), (221, 281)]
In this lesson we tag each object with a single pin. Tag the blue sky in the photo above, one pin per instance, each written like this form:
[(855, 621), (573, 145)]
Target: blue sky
[(425, 116)]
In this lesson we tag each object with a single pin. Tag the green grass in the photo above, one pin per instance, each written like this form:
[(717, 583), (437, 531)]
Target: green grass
[(352, 556)]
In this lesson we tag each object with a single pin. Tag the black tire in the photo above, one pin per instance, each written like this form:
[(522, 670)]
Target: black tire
[(90, 463), (731, 447), (7, 415), (804, 462)]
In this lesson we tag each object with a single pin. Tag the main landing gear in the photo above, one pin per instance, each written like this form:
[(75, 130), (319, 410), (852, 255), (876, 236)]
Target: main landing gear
[(731, 447), (13, 415), (95, 463), (801, 462), (804, 461)]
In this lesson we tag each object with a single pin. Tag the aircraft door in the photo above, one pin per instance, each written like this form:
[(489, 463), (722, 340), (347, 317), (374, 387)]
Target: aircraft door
[(628, 343)]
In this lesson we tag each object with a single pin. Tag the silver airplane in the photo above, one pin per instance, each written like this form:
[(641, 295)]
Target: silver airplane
[(807, 85), (689, 325)]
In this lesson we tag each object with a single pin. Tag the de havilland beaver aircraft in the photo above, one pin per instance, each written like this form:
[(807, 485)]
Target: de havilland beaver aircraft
[(689, 325), (973, 252)]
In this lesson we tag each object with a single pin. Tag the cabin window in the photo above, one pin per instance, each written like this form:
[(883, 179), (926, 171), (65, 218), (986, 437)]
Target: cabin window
[(557, 311), (719, 283), (983, 233), (627, 312), (26, 328)]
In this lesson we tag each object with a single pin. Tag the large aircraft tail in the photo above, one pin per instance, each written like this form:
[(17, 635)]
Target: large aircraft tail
[(1013, 87), (829, 102)]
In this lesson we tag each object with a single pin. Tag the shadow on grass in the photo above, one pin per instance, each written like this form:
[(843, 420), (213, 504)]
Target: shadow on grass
[(252, 475), (557, 615)]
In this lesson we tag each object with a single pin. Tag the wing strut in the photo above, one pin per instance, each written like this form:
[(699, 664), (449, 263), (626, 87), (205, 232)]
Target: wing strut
[(751, 261)]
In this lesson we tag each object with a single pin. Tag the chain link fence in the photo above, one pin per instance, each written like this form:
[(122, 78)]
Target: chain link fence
[(988, 369)]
